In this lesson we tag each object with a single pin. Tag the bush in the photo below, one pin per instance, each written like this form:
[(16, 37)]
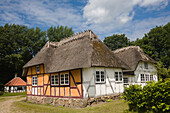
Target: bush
[(153, 97)]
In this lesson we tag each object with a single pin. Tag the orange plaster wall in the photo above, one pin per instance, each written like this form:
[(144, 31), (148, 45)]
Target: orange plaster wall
[(77, 75), (57, 91), (29, 80), (46, 78), (61, 91), (40, 80), (34, 70), (67, 91), (52, 91), (29, 89), (29, 71), (74, 92), (48, 91)]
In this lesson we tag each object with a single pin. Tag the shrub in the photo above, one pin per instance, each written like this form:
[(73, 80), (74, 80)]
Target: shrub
[(153, 97)]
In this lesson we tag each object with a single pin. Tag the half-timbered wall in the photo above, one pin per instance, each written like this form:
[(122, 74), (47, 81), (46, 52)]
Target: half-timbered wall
[(45, 88), (140, 69), (93, 89)]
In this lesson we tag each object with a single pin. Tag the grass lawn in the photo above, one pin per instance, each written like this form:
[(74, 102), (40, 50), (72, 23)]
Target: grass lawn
[(13, 94), (117, 106)]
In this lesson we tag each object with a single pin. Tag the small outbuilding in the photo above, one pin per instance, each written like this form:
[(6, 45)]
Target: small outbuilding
[(15, 85)]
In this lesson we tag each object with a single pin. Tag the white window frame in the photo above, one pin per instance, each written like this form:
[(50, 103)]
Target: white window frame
[(53, 79), (120, 79), (34, 80), (100, 77), (127, 80), (146, 77), (64, 79), (146, 65), (151, 78), (142, 77), (37, 69)]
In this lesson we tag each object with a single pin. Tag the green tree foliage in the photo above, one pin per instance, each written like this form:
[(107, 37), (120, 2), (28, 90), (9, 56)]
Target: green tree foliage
[(162, 72), (157, 44), (18, 45), (56, 34), (153, 97), (116, 41)]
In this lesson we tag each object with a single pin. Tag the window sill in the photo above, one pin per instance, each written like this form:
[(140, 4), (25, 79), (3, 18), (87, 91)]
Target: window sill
[(100, 82), (118, 81)]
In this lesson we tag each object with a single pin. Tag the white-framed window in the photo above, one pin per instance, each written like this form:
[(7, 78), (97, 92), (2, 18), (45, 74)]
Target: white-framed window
[(146, 65), (64, 79), (34, 80), (38, 69), (151, 77), (147, 77), (125, 80), (54, 79), (118, 76), (100, 77), (142, 76)]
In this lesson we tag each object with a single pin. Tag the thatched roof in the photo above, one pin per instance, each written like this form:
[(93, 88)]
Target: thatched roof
[(132, 55), (79, 51)]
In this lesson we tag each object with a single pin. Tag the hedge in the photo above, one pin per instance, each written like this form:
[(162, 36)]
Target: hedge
[(153, 97)]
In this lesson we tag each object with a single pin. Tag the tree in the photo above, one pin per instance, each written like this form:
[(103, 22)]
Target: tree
[(17, 46), (157, 44), (162, 72), (56, 34), (117, 41)]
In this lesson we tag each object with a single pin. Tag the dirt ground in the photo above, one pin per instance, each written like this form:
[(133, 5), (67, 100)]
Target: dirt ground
[(6, 104)]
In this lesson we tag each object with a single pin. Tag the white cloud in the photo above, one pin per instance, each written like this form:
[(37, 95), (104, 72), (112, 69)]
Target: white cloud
[(146, 3), (107, 11), (110, 16), (40, 13), (138, 28)]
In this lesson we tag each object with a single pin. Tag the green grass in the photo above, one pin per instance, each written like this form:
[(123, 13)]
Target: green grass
[(117, 106), (3, 99), (13, 94)]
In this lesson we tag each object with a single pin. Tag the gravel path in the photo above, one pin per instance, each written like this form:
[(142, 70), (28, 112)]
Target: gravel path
[(5, 105)]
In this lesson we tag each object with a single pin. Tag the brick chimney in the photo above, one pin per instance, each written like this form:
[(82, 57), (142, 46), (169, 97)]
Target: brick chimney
[(15, 75)]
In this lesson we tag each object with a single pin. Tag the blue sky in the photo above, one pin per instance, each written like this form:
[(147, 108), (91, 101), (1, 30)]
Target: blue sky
[(104, 17)]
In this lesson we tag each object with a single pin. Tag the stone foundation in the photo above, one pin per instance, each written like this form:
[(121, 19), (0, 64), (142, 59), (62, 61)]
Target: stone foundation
[(71, 102)]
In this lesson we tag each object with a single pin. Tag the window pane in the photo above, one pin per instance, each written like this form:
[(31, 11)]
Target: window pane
[(97, 72), (102, 72), (56, 79), (62, 82), (120, 77), (146, 65), (102, 77), (116, 76), (97, 76), (37, 69), (151, 77), (142, 77), (62, 79), (125, 80), (147, 77), (66, 82)]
